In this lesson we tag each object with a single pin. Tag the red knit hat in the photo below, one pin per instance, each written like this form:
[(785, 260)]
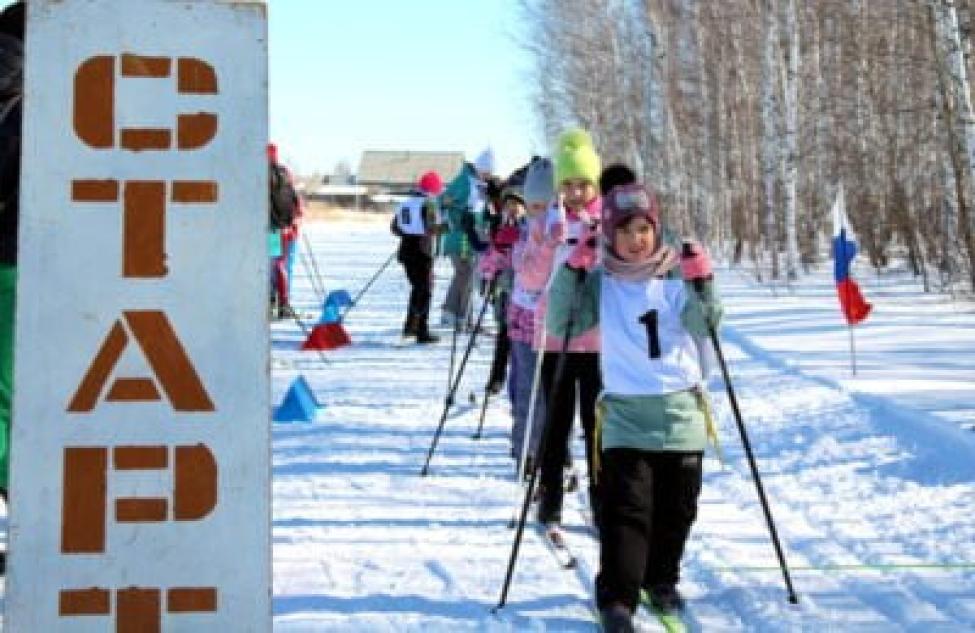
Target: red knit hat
[(430, 183), (626, 201)]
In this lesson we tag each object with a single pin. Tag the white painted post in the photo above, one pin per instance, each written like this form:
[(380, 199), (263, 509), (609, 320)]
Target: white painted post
[(140, 483)]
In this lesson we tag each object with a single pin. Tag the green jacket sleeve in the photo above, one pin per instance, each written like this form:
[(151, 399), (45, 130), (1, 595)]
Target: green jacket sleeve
[(703, 310), (563, 295)]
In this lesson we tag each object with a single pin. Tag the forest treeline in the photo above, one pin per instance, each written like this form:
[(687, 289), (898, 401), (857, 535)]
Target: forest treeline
[(747, 116)]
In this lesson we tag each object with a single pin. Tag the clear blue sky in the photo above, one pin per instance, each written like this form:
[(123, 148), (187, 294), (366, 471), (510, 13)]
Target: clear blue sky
[(351, 75), (436, 75)]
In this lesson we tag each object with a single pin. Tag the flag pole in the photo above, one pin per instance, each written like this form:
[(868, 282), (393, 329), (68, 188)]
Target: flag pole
[(845, 289), (846, 294)]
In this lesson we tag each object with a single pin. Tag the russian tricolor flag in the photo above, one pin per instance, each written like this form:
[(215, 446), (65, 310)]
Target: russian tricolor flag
[(854, 307)]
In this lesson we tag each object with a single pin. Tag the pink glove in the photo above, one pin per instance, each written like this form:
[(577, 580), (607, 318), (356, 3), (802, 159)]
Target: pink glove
[(583, 255), (493, 263), (694, 262), (487, 267)]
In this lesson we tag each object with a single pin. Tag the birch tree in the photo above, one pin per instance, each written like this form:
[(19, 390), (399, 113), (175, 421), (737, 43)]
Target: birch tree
[(791, 139), (961, 118), (770, 134)]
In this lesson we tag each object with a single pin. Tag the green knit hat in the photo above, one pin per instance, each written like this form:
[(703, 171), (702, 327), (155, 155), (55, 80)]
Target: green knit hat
[(575, 157)]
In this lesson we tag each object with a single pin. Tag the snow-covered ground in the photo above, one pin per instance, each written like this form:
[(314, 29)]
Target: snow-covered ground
[(871, 479)]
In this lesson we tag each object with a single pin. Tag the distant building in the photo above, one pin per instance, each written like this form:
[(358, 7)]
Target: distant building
[(346, 196), (391, 172), (384, 178)]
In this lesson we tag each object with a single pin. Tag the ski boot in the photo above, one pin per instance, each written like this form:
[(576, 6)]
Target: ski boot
[(425, 338), (665, 598), (616, 618), (411, 327)]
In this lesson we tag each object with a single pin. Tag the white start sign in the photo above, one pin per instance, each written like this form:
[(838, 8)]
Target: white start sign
[(140, 476)]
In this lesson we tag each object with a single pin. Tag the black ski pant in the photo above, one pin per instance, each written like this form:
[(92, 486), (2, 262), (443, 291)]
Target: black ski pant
[(419, 272), (502, 345), (649, 502), (581, 379)]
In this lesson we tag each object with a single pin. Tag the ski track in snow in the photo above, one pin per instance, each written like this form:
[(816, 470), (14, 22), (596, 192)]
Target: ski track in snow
[(873, 501)]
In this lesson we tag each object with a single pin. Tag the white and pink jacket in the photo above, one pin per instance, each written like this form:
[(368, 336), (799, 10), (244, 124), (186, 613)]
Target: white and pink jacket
[(526, 291), (551, 238)]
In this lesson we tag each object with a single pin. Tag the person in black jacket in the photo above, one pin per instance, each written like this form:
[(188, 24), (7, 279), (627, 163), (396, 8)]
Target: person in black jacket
[(415, 223)]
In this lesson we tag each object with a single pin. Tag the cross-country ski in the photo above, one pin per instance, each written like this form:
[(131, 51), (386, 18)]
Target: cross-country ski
[(554, 540)]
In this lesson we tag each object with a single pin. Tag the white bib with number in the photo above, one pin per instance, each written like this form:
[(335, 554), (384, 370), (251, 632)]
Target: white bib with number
[(409, 216), (645, 348)]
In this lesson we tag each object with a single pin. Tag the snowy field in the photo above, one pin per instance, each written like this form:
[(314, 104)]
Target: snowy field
[(871, 479)]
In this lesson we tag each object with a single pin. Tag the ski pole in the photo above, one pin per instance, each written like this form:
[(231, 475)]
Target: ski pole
[(532, 401), (460, 374), (369, 283), (480, 424), (469, 311), (793, 598), (453, 355), (559, 371), (458, 324), (314, 264), (499, 344), (319, 290)]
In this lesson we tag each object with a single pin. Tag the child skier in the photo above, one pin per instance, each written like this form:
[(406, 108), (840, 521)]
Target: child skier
[(577, 170), (496, 265), (531, 260), (285, 212), (462, 202), (652, 410), (415, 223)]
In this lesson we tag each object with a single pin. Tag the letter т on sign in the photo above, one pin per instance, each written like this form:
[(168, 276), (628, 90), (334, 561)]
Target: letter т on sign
[(140, 478)]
